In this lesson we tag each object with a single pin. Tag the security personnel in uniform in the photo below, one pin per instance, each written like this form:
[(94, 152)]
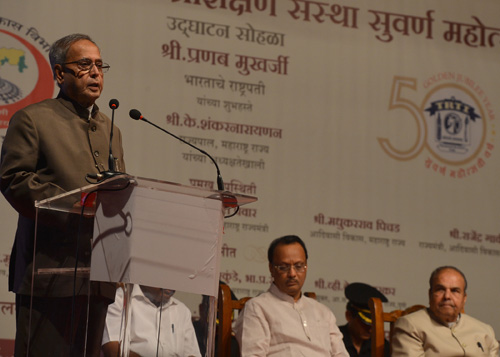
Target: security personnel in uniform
[(357, 331)]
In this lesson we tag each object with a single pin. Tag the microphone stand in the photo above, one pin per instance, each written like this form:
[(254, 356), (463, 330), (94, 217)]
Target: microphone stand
[(111, 172), (227, 198), (135, 114)]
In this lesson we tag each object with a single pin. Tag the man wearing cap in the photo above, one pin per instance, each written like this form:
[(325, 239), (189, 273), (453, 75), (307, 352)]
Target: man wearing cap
[(357, 331), (443, 329), (282, 322)]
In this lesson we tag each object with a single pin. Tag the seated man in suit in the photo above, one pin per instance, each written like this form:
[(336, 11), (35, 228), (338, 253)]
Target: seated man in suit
[(442, 329), (282, 321), (357, 331)]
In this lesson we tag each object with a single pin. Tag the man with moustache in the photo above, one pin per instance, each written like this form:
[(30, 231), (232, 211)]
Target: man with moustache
[(49, 149), (282, 321), (443, 329)]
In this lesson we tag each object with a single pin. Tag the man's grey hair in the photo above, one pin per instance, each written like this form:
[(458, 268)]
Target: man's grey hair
[(436, 272), (59, 49)]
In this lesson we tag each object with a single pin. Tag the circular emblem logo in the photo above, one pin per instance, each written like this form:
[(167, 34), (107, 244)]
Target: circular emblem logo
[(25, 75), (456, 128)]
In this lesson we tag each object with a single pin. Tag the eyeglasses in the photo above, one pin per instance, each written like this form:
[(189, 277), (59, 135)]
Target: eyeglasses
[(86, 65), (299, 268)]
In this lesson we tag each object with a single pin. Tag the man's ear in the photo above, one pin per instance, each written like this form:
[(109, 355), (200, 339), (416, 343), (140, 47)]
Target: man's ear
[(58, 70), (348, 315)]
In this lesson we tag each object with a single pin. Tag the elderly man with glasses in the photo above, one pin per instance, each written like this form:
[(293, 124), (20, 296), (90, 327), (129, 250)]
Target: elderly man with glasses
[(443, 329), (282, 321), (50, 148)]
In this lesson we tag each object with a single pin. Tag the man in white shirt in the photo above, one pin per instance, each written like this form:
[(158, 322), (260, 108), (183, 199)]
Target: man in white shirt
[(283, 322), (160, 325)]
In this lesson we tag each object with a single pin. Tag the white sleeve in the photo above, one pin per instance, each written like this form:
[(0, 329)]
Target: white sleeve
[(252, 331), (190, 342), (113, 319)]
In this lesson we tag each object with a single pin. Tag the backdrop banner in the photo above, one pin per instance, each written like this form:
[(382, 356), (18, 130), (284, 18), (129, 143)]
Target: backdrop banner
[(366, 127)]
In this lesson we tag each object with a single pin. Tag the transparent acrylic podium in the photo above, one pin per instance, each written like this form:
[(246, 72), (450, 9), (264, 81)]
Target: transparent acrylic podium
[(152, 239)]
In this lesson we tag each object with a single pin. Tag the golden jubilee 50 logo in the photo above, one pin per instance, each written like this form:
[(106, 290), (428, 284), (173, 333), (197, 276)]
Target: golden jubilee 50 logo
[(454, 123)]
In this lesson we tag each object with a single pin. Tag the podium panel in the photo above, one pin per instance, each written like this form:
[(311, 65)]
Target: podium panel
[(158, 238), (158, 242)]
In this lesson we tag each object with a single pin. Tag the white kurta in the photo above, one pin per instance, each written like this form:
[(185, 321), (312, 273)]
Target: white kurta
[(175, 336), (273, 324)]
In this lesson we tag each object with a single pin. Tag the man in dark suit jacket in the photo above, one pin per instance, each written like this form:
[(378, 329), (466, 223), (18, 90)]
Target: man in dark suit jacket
[(49, 149)]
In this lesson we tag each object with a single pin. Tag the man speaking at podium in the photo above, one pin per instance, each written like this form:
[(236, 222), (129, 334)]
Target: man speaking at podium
[(49, 148)]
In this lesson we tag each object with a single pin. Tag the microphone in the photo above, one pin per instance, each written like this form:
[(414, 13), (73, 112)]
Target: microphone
[(136, 115), (111, 172), (113, 104)]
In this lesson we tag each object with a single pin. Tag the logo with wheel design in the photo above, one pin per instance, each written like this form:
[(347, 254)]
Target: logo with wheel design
[(454, 124)]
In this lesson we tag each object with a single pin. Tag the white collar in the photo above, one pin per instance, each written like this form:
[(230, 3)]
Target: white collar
[(453, 324), (90, 111)]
